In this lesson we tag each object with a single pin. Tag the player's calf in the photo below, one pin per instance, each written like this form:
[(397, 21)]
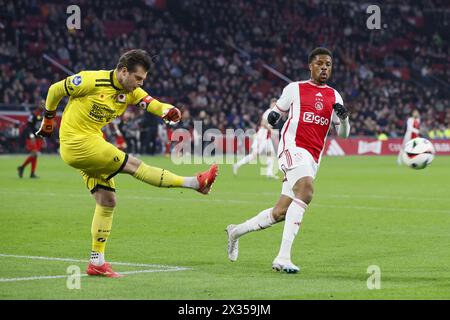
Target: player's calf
[(159, 177), (304, 189)]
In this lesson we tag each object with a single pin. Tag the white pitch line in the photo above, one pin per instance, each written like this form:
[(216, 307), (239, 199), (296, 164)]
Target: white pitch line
[(79, 260), (143, 197), (370, 196), (158, 266), (382, 208), (35, 278), (85, 275), (315, 204), (275, 194)]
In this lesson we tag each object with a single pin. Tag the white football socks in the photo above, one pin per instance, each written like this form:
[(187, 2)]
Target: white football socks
[(294, 216), (262, 220), (246, 159), (399, 157), (97, 258), (270, 166), (190, 182)]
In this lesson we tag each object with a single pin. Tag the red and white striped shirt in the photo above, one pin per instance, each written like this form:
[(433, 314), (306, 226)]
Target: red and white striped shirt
[(310, 108), (263, 133), (412, 128)]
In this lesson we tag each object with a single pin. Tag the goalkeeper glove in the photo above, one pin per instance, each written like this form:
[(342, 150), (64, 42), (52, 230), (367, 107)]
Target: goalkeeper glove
[(273, 117), (172, 115), (341, 111), (46, 128)]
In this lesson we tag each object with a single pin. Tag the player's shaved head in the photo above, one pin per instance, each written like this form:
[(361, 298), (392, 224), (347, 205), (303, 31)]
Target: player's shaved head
[(134, 58)]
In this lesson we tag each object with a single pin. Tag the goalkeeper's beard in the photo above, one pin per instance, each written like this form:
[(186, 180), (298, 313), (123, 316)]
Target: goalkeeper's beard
[(127, 86), (129, 89)]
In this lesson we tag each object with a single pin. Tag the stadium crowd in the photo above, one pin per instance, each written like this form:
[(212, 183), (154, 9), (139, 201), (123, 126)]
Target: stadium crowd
[(212, 58)]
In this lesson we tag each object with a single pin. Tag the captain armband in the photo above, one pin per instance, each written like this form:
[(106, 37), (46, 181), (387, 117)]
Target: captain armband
[(144, 103)]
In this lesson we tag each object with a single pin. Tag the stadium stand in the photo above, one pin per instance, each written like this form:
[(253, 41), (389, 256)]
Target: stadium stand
[(211, 57)]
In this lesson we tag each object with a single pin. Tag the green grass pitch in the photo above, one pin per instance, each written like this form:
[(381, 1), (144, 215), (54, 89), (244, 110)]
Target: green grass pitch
[(366, 211)]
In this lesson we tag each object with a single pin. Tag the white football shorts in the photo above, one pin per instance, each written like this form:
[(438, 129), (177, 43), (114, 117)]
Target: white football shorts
[(296, 163)]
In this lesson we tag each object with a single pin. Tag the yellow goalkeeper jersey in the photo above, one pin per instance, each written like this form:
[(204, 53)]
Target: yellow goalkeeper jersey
[(95, 99)]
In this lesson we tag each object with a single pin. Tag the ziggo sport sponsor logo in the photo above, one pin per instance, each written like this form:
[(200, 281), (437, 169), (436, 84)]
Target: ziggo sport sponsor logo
[(310, 117)]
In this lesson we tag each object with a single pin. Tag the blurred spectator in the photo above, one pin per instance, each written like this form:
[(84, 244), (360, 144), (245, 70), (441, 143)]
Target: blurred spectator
[(149, 133), (130, 126), (382, 74), (382, 136), (447, 132)]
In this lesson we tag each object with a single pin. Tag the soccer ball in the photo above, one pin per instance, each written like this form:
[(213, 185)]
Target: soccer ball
[(418, 153)]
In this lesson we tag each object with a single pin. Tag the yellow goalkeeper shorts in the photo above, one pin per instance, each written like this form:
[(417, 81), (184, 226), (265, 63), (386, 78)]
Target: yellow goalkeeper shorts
[(98, 160)]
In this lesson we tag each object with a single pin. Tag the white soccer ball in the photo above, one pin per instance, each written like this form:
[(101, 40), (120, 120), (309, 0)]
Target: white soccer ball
[(418, 153)]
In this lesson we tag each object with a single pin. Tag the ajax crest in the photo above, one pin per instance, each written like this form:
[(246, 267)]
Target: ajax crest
[(319, 102)]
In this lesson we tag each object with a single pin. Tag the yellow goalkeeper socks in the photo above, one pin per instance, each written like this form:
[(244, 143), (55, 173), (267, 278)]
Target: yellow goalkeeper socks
[(163, 178), (101, 227)]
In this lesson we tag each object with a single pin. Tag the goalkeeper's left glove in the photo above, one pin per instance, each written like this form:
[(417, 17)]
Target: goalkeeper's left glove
[(341, 111), (46, 128), (172, 115)]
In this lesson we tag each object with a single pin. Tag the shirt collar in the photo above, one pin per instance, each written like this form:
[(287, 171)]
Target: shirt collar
[(114, 82), (311, 82)]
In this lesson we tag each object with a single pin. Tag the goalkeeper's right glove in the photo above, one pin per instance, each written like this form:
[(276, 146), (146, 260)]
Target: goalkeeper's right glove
[(172, 115), (273, 117), (46, 128)]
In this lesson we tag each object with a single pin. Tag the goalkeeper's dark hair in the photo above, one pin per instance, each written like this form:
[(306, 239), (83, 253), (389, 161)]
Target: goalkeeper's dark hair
[(319, 51), (133, 58)]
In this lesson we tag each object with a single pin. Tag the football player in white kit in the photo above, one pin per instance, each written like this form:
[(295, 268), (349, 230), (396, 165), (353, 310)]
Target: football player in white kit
[(262, 145), (412, 131), (312, 107)]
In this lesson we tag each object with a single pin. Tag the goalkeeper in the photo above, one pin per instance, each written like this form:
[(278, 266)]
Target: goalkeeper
[(95, 99)]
